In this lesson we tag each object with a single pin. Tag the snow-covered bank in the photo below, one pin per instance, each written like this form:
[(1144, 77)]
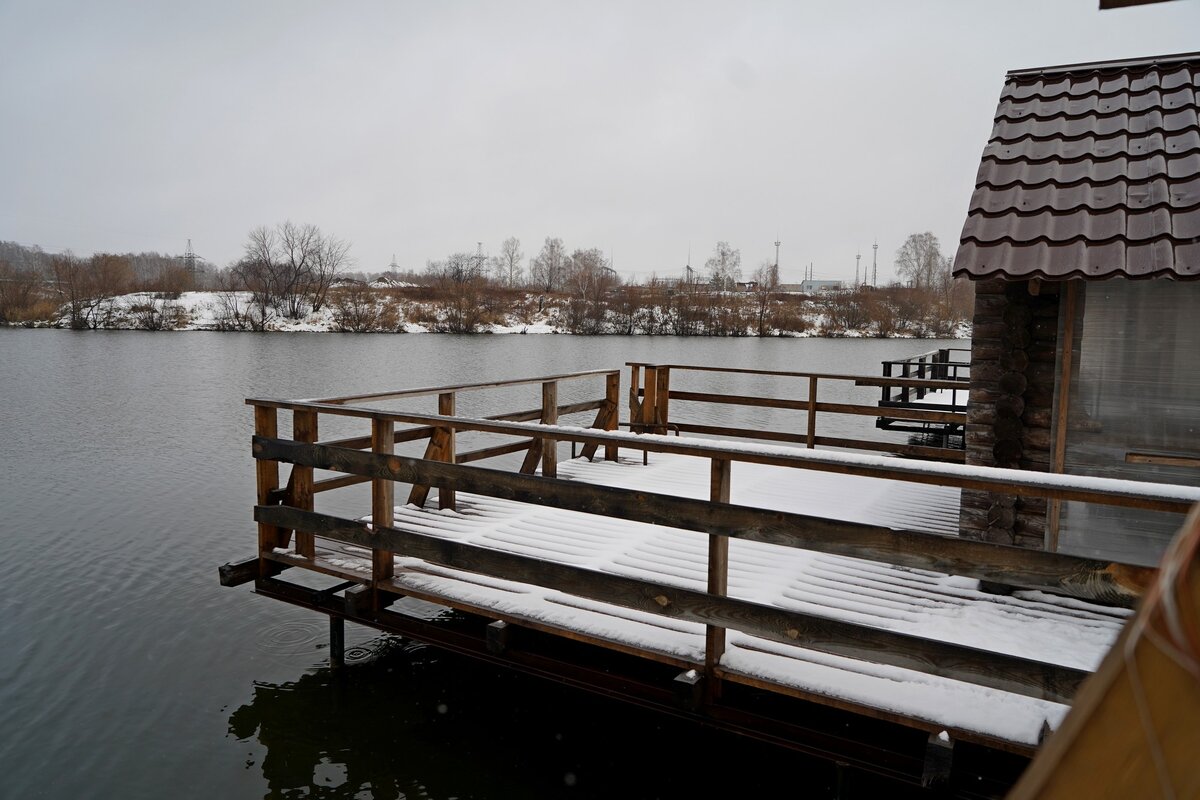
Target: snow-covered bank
[(232, 311)]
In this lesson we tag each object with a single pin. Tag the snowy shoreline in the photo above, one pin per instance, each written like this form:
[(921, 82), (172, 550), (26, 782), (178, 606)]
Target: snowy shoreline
[(202, 311)]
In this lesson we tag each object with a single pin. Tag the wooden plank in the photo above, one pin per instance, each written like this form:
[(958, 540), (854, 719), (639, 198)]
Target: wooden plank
[(920, 451), (860, 380), (383, 504), (412, 434), (811, 436), (612, 403), (1014, 566), (492, 452), (957, 662), (1133, 729), (662, 394), (446, 409), (428, 391), (1162, 458), (649, 399), (915, 414), (549, 417), (304, 429), (720, 475), (532, 458), (266, 423), (1128, 494), (949, 454)]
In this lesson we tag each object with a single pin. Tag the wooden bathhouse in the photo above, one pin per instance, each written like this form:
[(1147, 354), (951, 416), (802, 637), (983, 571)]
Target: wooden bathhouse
[(1083, 240)]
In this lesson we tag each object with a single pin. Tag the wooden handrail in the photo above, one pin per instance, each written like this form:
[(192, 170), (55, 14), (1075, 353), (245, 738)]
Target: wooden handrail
[(859, 380), (376, 397), (1106, 491)]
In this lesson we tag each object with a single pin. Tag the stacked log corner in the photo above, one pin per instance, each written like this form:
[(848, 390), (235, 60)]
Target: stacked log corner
[(1009, 415)]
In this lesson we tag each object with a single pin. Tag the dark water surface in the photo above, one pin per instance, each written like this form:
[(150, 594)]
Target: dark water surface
[(126, 671)]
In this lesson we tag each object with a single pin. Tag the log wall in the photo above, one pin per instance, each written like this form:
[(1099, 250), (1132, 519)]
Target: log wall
[(1013, 352)]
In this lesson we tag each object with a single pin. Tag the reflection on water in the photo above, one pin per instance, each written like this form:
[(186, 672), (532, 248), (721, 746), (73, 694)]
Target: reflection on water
[(408, 721)]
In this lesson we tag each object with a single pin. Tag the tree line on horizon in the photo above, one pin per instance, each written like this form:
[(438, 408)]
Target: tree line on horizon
[(290, 271)]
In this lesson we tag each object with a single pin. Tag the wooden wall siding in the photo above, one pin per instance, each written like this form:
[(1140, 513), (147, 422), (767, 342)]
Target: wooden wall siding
[(1013, 352)]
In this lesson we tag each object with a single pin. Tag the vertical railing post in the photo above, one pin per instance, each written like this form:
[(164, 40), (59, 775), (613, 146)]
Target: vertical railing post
[(905, 373), (649, 403), (662, 396), (266, 424), (612, 402), (549, 417), (649, 399), (922, 373), (446, 497), (635, 405), (718, 574), (383, 442), (885, 390), (812, 412), (304, 429)]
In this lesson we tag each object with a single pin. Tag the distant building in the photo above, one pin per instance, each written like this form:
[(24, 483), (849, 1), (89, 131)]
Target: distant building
[(812, 286)]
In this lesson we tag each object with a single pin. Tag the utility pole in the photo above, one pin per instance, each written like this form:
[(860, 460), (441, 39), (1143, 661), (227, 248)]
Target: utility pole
[(775, 272), (189, 259), (875, 264)]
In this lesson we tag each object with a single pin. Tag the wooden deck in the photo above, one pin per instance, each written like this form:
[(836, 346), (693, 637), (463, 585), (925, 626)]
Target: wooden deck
[(817, 577)]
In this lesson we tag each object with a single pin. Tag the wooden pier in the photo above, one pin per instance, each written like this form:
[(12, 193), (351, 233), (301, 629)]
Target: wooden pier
[(676, 564)]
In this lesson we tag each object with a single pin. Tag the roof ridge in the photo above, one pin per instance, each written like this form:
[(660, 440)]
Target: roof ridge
[(1103, 66)]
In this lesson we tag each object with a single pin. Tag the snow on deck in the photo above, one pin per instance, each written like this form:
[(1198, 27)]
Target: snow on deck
[(1033, 625)]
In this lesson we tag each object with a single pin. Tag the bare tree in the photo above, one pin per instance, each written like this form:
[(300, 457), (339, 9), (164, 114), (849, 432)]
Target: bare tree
[(508, 263), (289, 268), (588, 279), (920, 260), (766, 284), (546, 271), (724, 266)]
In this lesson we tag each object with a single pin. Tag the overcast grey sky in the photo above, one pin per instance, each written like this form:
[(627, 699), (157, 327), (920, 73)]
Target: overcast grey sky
[(419, 129)]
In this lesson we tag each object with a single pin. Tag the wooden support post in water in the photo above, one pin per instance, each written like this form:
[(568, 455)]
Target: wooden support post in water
[(446, 409), (812, 412), (304, 429), (718, 575), (382, 498), (337, 642), (266, 423), (550, 417)]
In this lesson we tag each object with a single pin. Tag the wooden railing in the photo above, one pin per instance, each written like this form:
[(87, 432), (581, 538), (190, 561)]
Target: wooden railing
[(650, 397), (372, 458), (937, 364)]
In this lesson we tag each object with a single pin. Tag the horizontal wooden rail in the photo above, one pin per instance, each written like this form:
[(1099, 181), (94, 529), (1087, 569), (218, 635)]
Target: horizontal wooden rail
[(1164, 459), (412, 434), (919, 415), (957, 662), (928, 383), (469, 456), (462, 387), (916, 450), (1105, 491), (1016, 566)]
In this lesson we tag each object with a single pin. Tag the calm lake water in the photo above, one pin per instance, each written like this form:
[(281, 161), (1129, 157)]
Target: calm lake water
[(127, 671)]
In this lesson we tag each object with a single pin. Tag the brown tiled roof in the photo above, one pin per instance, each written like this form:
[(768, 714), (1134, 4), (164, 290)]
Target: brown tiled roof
[(1092, 170)]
